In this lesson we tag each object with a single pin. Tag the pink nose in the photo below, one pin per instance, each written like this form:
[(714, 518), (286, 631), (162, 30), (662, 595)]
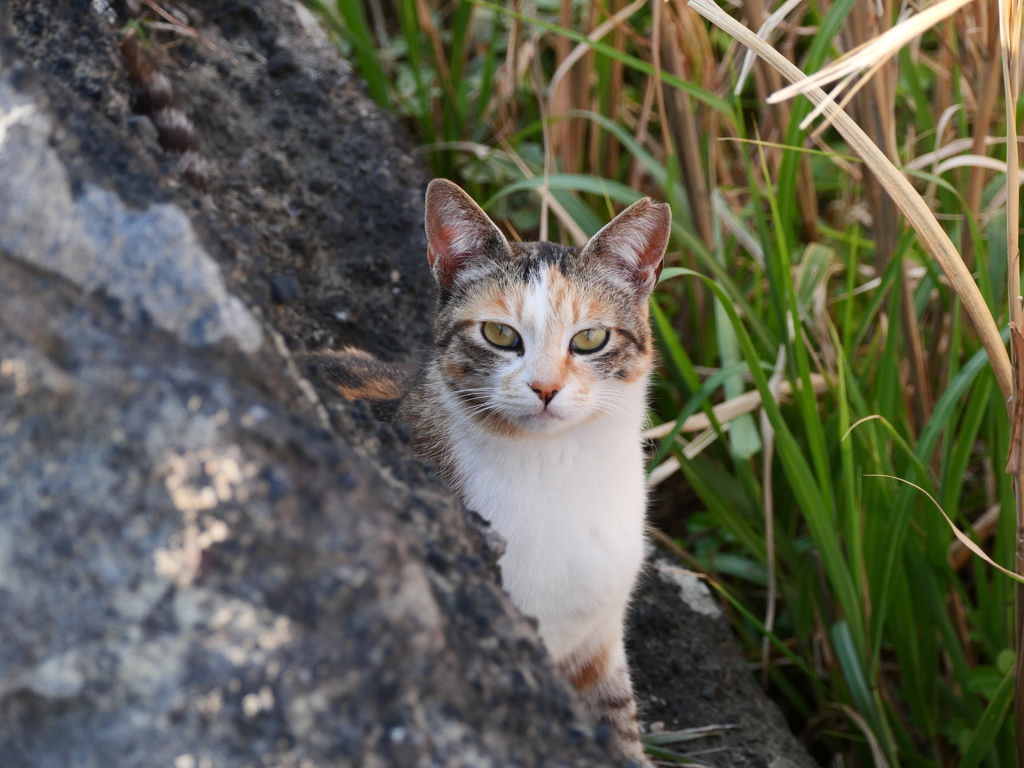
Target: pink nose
[(546, 392)]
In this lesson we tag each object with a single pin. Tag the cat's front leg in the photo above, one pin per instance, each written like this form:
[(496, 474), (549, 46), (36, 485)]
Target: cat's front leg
[(602, 678)]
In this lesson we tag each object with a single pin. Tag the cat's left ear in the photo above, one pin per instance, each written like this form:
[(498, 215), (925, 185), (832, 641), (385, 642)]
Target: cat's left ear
[(634, 243)]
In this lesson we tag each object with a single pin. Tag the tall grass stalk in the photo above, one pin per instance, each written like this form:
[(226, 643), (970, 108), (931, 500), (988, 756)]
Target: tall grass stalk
[(1010, 12)]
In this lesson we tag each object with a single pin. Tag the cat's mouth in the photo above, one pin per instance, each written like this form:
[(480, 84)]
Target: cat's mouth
[(523, 417), (544, 420)]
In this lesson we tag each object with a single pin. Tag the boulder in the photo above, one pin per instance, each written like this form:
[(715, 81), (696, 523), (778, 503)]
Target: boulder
[(206, 557)]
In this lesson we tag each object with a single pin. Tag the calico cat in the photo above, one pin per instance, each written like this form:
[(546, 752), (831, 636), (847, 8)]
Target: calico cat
[(531, 409)]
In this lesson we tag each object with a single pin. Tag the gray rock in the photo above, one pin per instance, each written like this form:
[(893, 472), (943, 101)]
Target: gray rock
[(206, 559), (98, 245), (201, 562), (689, 674)]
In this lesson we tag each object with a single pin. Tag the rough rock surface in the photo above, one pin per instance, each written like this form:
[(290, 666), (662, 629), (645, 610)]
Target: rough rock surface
[(201, 563), (205, 560), (689, 674)]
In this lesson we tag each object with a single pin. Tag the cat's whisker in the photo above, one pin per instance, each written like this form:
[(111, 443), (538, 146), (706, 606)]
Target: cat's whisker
[(608, 402)]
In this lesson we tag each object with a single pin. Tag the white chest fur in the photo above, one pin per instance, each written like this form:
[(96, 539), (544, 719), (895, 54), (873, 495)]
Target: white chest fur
[(571, 508)]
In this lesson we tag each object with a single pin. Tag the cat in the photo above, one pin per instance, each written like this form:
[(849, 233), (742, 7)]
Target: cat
[(531, 409)]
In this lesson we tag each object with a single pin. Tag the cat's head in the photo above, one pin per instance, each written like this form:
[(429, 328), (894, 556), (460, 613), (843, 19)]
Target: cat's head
[(536, 337)]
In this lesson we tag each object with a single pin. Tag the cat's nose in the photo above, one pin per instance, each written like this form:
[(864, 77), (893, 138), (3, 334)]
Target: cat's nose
[(546, 392)]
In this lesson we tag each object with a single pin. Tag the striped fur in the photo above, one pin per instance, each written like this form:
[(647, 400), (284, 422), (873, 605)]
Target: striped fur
[(607, 691), (154, 97)]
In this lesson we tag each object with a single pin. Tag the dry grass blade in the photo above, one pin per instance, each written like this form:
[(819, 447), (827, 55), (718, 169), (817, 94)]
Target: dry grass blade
[(686, 734), (868, 55), (579, 237), (685, 130), (987, 98), (669, 543), (1010, 12), (963, 537), (545, 190), (764, 33), (768, 438), (970, 161), (748, 402), (953, 148), (656, 12), (662, 472), (690, 450), (877, 753), (1010, 15), (983, 529), (934, 239)]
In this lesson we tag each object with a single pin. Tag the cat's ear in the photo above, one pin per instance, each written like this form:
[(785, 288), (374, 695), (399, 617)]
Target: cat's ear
[(459, 233), (634, 243)]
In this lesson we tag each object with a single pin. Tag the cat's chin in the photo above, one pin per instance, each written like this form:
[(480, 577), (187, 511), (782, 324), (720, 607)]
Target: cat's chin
[(545, 422), (549, 422)]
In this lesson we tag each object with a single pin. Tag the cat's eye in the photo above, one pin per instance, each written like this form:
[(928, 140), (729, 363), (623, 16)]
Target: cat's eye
[(589, 340), (501, 335)]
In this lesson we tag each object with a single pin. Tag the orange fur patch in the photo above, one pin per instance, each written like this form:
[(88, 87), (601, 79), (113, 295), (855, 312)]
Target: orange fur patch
[(493, 303), (373, 390), (499, 426), (356, 373), (592, 670)]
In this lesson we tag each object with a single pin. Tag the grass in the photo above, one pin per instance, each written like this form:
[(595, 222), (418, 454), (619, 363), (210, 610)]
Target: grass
[(862, 272)]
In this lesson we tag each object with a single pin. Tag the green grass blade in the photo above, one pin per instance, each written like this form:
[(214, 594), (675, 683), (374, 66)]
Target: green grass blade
[(853, 673), (721, 499), (356, 30), (898, 516), (743, 436), (817, 513), (987, 728), (700, 397), (820, 47)]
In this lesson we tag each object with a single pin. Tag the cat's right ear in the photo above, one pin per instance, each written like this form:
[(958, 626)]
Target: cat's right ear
[(459, 233)]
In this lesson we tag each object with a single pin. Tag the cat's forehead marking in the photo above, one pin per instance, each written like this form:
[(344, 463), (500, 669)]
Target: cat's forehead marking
[(549, 299), (567, 298), (536, 308), (551, 303)]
